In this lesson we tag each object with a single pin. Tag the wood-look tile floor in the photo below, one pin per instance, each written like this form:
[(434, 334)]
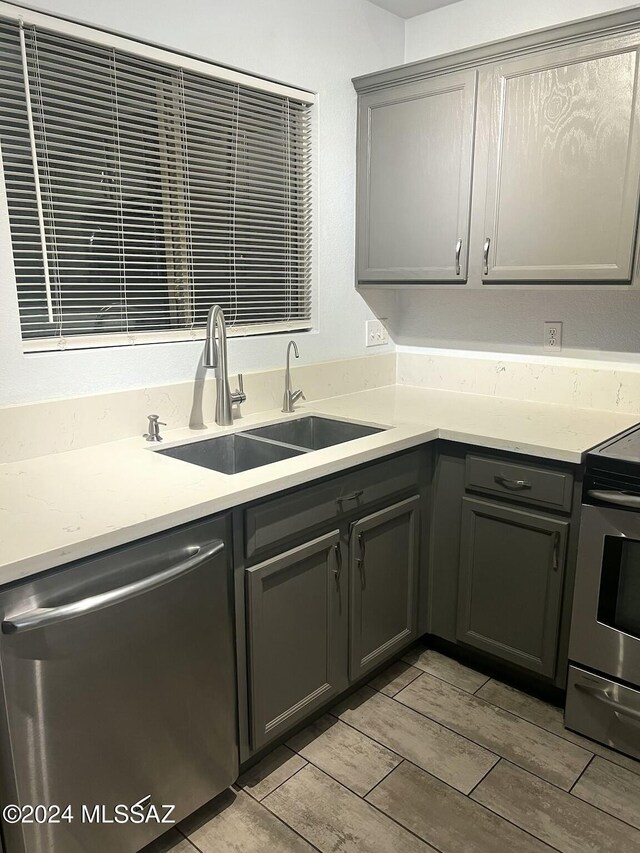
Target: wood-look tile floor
[(430, 756)]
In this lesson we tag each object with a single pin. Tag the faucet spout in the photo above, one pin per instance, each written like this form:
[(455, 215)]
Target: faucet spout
[(290, 397), (215, 356)]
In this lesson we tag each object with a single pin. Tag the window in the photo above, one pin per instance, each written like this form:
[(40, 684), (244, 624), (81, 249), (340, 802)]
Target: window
[(143, 187)]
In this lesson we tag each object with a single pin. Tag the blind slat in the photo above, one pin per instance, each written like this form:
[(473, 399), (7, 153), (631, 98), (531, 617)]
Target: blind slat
[(162, 190)]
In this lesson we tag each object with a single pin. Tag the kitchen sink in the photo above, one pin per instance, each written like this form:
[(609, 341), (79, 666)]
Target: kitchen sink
[(231, 454), (313, 433), (242, 451)]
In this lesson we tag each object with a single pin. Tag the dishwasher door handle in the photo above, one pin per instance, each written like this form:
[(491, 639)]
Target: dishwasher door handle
[(41, 617)]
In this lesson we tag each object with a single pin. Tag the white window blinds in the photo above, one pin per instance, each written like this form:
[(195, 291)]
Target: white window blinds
[(142, 192)]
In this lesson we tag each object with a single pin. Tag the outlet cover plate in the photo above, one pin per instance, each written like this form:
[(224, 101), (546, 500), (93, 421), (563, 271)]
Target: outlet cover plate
[(376, 333), (553, 335)]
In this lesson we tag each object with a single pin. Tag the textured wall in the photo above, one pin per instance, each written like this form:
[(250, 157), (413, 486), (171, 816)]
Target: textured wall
[(314, 44)]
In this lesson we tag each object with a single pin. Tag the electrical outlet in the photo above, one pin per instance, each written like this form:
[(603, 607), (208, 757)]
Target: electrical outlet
[(377, 335), (553, 336)]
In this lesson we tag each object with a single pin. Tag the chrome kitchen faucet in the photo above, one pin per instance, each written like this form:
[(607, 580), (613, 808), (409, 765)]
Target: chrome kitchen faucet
[(290, 397), (215, 355)]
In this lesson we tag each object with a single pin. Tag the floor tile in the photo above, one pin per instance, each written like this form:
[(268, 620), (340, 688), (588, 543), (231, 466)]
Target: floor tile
[(446, 668), (445, 818), (526, 745), (273, 770), (549, 717), (236, 823), (441, 752), (556, 817), (170, 842), (343, 752), (611, 788), (394, 678), (334, 819)]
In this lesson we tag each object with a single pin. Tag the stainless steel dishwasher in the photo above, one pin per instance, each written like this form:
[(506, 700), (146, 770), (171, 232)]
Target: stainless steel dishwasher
[(119, 683)]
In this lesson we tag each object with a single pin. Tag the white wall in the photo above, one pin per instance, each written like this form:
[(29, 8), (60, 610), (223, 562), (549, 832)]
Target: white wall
[(473, 22), (314, 44), (594, 323)]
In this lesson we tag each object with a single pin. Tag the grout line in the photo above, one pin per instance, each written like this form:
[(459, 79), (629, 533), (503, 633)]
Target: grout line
[(384, 814), (498, 757), (188, 840), (562, 735), (404, 758), (477, 803), (477, 690), (580, 775), (284, 781), (506, 819), (482, 746), (480, 781), (380, 781), (418, 674), (573, 796), (264, 805)]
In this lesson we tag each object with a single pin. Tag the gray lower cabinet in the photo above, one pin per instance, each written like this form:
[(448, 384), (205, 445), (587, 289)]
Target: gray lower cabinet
[(510, 583), (296, 615), (383, 574)]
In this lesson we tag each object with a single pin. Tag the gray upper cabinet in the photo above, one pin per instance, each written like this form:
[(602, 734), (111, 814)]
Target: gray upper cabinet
[(562, 178), (414, 180), (510, 583), (527, 150), (296, 621), (383, 571)]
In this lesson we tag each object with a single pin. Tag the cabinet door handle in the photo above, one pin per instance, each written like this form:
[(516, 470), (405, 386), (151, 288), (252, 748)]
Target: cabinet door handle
[(514, 485), (337, 571), (556, 552), (485, 255), (352, 497), (458, 250), (361, 547)]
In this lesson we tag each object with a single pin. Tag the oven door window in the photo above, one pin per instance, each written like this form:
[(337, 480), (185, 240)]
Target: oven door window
[(619, 602)]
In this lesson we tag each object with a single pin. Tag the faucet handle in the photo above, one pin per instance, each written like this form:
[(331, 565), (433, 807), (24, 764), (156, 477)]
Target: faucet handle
[(239, 396)]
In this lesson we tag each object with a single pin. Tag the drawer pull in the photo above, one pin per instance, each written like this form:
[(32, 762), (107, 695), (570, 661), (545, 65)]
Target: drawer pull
[(607, 699), (352, 497), (337, 571), (514, 485)]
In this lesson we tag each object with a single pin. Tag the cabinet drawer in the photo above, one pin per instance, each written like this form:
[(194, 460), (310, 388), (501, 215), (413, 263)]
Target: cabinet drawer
[(288, 517), (603, 710), (519, 482)]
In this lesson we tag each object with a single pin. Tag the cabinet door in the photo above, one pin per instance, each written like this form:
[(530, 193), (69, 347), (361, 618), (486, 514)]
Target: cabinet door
[(295, 620), (510, 584), (383, 572), (415, 145), (564, 165)]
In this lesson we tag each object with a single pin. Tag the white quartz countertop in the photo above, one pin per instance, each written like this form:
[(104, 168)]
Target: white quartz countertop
[(65, 506)]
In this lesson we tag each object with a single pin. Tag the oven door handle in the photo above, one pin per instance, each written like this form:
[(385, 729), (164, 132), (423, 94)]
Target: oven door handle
[(617, 498), (603, 696)]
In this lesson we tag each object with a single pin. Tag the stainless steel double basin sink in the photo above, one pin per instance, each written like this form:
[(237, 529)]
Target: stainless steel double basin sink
[(252, 448)]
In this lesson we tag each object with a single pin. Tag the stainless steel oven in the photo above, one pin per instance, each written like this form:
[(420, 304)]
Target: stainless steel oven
[(603, 693), (605, 631)]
